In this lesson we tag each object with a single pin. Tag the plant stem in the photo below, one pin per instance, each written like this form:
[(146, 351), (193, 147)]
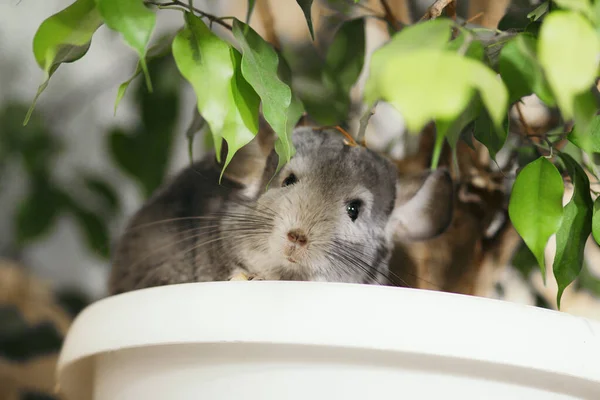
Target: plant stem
[(364, 121), (389, 16), (191, 8), (435, 10)]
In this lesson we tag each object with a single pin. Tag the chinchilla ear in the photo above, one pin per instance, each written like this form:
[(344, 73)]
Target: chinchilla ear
[(424, 205)]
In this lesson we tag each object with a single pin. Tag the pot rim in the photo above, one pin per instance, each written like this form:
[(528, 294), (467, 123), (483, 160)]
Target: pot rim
[(339, 315)]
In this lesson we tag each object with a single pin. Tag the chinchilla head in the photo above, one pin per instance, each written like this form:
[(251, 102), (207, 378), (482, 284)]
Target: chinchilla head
[(333, 211)]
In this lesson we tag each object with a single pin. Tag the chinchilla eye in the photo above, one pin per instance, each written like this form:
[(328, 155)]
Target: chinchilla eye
[(353, 209), (290, 180)]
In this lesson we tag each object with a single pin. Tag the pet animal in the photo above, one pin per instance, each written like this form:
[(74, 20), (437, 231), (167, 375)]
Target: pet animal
[(330, 214)]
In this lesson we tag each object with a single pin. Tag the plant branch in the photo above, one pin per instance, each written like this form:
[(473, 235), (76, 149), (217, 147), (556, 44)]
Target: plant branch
[(264, 10), (389, 16), (435, 10), (349, 140), (189, 7), (473, 18), (364, 121)]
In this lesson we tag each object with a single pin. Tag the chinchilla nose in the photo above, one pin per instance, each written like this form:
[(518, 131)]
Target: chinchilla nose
[(297, 236)]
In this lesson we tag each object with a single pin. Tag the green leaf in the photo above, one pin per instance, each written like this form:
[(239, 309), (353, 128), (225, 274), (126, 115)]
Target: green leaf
[(134, 21), (38, 211), (241, 124), (568, 51), (575, 152), (62, 38), (596, 221), (533, 28), (521, 72), (306, 6), (294, 112), (251, 4), (489, 134), (433, 84), (535, 207), (452, 130), (586, 131), (94, 229), (581, 6), (516, 17), (326, 84), (466, 44), (432, 34), (104, 191), (66, 35), (196, 125), (457, 126), (160, 49), (260, 69), (343, 64), (153, 136), (35, 144), (225, 100), (574, 229), (597, 15), (539, 12), (345, 56)]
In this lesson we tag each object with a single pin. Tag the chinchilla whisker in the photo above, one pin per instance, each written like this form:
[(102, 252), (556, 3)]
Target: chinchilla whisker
[(234, 218), (359, 252), (416, 276), (213, 239), (340, 260), (200, 245), (239, 214), (187, 237), (215, 218), (394, 274), (339, 266), (358, 257), (168, 220), (264, 210), (361, 264), (252, 206)]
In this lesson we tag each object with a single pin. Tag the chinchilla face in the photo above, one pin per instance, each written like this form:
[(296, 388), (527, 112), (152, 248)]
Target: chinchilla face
[(330, 213)]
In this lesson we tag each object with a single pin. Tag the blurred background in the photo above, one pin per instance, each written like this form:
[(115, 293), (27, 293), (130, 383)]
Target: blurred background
[(72, 177)]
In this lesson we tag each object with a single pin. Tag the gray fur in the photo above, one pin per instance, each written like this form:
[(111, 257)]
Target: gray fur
[(197, 230)]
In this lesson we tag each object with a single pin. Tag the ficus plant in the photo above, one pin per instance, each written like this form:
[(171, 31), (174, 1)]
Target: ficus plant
[(463, 78)]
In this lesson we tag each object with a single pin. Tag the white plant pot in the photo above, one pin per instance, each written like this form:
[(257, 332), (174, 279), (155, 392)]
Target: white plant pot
[(301, 340)]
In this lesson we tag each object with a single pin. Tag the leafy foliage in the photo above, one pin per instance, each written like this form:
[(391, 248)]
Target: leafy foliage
[(259, 67), (521, 71), (327, 97), (152, 139), (536, 206), (466, 80), (568, 51), (64, 37), (425, 80), (306, 6), (47, 199), (574, 229), (134, 21), (38, 211), (225, 100)]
